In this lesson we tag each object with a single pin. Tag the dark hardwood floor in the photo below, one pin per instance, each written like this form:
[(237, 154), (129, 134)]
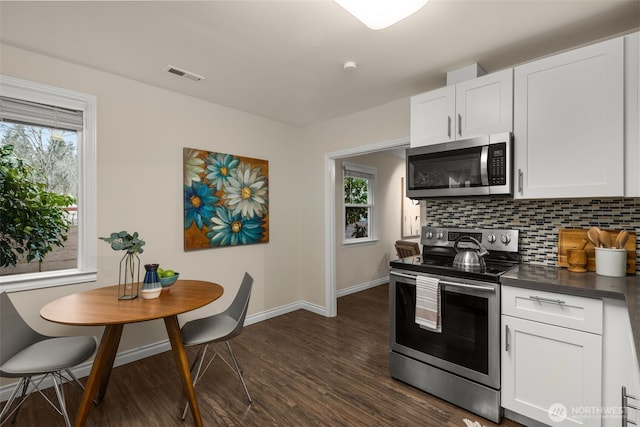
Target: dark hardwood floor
[(301, 369)]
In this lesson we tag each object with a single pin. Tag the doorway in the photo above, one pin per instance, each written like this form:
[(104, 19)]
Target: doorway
[(330, 211)]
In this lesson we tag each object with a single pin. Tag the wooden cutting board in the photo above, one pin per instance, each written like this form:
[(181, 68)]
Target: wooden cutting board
[(569, 238)]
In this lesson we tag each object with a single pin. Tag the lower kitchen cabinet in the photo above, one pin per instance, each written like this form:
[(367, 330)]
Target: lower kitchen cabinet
[(620, 368), (551, 374), (551, 370)]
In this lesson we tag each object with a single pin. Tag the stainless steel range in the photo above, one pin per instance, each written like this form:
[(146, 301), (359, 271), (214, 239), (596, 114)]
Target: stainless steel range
[(460, 363)]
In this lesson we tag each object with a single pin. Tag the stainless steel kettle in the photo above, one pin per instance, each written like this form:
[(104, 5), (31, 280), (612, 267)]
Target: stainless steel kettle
[(469, 259)]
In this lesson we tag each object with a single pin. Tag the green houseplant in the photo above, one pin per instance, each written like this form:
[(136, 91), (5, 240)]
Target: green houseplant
[(129, 271), (34, 220)]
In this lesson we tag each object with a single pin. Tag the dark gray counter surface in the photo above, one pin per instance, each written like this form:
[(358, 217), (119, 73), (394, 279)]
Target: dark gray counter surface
[(589, 284)]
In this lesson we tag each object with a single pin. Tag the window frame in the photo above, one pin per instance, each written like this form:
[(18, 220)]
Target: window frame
[(86, 270), (373, 172)]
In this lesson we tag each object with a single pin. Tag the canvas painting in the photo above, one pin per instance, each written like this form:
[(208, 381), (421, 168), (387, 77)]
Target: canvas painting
[(226, 200)]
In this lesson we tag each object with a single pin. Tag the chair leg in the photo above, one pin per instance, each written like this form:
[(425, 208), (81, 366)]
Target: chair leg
[(198, 360), (238, 370), (74, 378), (61, 401), (25, 387), (5, 414)]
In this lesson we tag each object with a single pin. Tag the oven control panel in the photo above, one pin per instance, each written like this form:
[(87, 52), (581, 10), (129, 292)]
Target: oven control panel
[(496, 239)]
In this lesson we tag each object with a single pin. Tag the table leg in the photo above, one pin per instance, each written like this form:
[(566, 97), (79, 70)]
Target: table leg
[(100, 371), (179, 354)]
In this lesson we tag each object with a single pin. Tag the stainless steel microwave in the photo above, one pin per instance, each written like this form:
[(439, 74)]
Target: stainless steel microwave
[(470, 167)]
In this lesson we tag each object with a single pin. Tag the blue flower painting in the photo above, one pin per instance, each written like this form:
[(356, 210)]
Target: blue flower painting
[(226, 200)]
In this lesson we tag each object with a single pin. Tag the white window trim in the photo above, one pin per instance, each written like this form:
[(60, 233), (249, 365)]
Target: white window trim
[(372, 204), (86, 270)]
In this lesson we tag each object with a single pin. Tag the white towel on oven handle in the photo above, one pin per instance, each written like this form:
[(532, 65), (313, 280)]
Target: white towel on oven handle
[(428, 303)]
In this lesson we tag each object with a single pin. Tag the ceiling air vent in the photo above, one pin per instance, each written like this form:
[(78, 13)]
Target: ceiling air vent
[(183, 73)]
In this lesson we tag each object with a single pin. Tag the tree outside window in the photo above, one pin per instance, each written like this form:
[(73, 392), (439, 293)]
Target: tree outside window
[(358, 202), (39, 189)]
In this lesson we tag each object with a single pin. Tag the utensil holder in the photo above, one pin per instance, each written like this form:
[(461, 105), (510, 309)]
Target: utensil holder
[(611, 262)]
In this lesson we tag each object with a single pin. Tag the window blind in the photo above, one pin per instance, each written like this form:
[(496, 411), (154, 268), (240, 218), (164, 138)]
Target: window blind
[(26, 112), (357, 171)]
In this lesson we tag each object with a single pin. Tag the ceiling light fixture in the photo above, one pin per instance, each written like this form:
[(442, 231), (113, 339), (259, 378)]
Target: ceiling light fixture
[(349, 65), (380, 14)]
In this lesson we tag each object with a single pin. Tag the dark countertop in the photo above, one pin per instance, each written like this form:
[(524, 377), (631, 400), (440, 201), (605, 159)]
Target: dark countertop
[(589, 284)]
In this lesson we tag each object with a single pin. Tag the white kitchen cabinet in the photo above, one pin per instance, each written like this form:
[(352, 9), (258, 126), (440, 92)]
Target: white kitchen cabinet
[(631, 115), (620, 366), (551, 373), (480, 106), (568, 124)]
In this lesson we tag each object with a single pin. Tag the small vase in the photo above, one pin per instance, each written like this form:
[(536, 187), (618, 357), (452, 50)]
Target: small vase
[(129, 277), (151, 277)]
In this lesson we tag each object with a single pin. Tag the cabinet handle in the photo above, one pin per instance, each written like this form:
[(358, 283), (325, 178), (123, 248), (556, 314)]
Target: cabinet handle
[(549, 300), (625, 407), (459, 124), (520, 180), (449, 126), (506, 338)]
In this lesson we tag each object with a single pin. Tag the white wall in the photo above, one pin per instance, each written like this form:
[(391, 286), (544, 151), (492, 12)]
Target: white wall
[(362, 263), (141, 132), (369, 127)]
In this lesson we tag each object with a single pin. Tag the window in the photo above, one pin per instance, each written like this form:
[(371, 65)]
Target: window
[(359, 188), (54, 126)]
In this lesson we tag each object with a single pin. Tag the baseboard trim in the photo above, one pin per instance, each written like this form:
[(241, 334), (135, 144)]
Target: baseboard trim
[(148, 350), (362, 286)]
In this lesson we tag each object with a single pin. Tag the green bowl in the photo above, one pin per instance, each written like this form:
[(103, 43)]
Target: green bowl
[(168, 281)]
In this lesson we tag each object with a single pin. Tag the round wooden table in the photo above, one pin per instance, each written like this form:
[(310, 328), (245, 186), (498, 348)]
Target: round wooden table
[(101, 307)]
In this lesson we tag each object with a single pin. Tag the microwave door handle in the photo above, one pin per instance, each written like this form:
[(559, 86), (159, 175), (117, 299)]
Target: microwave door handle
[(484, 165)]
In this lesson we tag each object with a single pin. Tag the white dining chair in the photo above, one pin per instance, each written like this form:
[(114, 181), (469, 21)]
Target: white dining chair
[(221, 327)]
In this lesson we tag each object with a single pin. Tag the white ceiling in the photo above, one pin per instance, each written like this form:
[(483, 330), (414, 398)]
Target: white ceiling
[(283, 59)]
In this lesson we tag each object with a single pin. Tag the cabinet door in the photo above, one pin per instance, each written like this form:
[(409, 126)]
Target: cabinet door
[(568, 124), (484, 106), (619, 364), (432, 117), (631, 115), (551, 374)]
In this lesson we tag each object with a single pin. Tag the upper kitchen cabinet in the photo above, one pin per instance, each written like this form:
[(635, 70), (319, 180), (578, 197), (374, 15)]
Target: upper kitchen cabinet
[(569, 122), (632, 115), (480, 106)]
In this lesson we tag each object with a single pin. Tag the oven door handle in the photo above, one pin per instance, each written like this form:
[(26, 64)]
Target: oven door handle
[(468, 286), (403, 275), (447, 283)]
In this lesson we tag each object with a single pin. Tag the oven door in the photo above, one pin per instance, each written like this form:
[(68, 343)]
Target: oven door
[(469, 344)]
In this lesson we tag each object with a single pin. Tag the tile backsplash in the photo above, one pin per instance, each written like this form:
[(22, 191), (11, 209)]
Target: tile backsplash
[(537, 220)]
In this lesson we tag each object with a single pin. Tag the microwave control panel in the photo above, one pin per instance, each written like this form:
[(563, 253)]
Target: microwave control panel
[(498, 164)]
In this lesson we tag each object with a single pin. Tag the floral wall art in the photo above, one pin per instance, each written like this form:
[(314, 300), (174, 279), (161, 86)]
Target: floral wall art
[(226, 200)]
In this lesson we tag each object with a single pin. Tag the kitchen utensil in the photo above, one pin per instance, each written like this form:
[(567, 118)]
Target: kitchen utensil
[(469, 259), (605, 239), (582, 244), (621, 239), (594, 236), (577, 259), (570, 238)]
